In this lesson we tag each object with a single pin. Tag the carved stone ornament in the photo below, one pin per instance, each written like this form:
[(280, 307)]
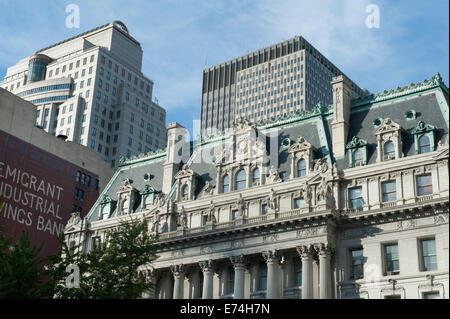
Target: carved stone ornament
[(182, 218), (323, 190), (208, 189), (207, 266), (320, 165), (206, 250), (274, 176), (406, 224), (126, 186), (270, 256), (270, 238), (185, 172), (74, 219), (387, 126), (310, 232)]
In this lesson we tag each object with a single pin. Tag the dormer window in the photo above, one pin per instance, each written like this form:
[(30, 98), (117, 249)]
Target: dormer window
[(389, 151), (389, 141), (301, 168), (302, 155), (241, 180), (186, 180), (357, 152), (424, 144), (226, 184), (424, 137), (125, 206), (185, 192)]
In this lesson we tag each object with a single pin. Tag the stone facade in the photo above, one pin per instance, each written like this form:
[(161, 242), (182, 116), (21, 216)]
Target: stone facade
[(313, 205)]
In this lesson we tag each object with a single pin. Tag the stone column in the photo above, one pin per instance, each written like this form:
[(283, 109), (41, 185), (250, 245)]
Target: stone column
[(178, 276), (306, 254), (151, 275), (324, 271), (208, 277), (239, 276), (271, 258)]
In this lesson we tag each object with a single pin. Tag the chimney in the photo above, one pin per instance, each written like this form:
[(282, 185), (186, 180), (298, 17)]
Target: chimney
[(177, 151), (341, 108)]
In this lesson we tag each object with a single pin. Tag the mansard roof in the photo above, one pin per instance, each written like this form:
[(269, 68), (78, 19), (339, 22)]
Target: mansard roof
[(428, 100)]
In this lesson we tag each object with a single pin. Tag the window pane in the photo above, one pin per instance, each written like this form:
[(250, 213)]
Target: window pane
[(429, 254), (226, 184), (240, 180), (263, 277), (431, 295), (424, 144), (301, 167), (297, 272), (358, 157), (389, 191), (424, 185), (389, 150), (256, 176), (391, 254), (299, 202), (356, 197), (357, 263)]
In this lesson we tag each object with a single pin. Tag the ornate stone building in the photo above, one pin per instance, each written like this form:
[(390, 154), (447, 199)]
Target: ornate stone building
[(342, 201)]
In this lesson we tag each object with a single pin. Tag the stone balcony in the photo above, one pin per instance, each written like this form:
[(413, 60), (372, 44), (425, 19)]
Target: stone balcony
[(294, 215)]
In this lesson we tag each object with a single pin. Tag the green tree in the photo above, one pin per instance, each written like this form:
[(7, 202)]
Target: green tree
[(110, 270), (21, 273)]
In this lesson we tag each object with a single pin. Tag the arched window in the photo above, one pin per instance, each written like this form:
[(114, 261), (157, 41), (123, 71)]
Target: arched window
[(301, 168), (226, 184), (389, 151), (185, 192), (255, 177), (240, 180), (424, 144), (358, 157), (125, 208)]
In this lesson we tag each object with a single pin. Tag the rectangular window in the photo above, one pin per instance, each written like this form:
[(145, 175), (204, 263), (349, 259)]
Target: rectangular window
[(357, 263), (389, 191), (428, 252), (431, 295), (299, 202), (392, 265), (96, 242), (355, 195), (264, 209), (424, 185)]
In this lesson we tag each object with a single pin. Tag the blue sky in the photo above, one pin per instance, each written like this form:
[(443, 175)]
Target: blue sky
[(180, 38)]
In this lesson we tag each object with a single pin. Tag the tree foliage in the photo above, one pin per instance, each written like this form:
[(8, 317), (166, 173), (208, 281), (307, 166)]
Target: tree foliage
[(110, 270), (22, 275)]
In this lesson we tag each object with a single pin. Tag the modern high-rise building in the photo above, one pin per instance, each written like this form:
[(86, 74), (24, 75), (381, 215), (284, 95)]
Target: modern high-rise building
[(284, 78), (91, 89)]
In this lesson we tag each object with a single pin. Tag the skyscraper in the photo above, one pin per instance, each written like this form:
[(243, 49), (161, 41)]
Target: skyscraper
[(284, 78), (91, 89)]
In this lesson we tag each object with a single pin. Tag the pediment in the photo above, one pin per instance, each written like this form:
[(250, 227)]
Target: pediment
[(126, 186), (388, 125), (300, 145), (442, 155), (185, 172)]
